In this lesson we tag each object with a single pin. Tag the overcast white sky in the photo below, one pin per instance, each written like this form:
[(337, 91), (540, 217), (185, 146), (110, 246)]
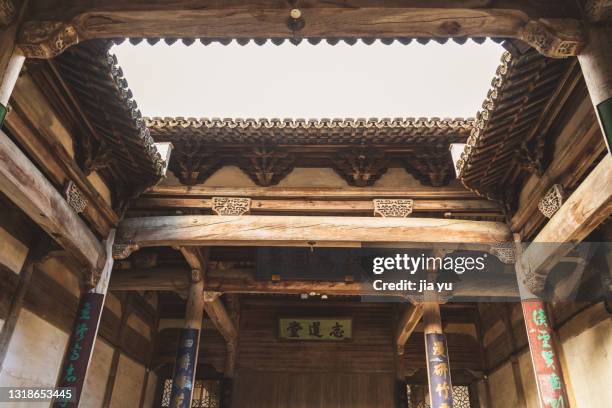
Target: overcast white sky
[(308, 81)]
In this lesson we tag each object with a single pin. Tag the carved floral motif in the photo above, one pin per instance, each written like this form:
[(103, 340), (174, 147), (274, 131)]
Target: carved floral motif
[(231, 205), (46, 39), (552, 201), (75, 197), (7, 12), (401, 208), (504, 251)]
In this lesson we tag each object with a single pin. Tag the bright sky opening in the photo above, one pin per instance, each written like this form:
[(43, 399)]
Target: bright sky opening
[(310, 81)]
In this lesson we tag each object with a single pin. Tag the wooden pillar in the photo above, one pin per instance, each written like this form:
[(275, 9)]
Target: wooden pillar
[(596, 62), (9, 79), (187, 351), (84, 333), (438, 368), (544, 355), (543, 349)]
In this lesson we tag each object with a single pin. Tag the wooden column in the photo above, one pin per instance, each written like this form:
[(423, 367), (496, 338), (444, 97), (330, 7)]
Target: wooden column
[(9, 79), (543, 350), (187, 352), (438, 368), (596, 61), (84, 332)]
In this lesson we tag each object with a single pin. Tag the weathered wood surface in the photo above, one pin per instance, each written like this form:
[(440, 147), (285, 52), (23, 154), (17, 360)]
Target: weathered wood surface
[(588, 206), (311, 193), (305, 231), (196, 257), (408, 322), (176, 279), (23, 183), (268, 19), (214, 308), (326, 206), (43, 144)]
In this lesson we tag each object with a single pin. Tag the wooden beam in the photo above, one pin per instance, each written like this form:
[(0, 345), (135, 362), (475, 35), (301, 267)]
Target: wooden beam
[(214, 308), (543, 25), (408, 322), (311, 193), (26, 186), (317, 206), (584, 210), (255, 230), (175, 279)]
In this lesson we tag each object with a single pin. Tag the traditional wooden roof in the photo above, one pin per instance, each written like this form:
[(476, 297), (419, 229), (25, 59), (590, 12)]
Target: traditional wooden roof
[(509, 134), (112, 137), (360, 150)]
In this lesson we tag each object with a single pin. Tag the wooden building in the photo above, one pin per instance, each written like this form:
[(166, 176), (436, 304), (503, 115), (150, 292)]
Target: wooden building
[(176, 262)]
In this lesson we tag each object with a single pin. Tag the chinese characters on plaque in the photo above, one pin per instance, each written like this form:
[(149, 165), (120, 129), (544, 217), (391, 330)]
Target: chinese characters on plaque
[(440, 387), (328, 329), (545, 361)]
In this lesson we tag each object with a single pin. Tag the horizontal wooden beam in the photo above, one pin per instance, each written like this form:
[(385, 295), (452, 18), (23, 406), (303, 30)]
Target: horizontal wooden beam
[(53, 28), (294, 231), (408, 322), (318, 206), (588, 206), (311, 193), (28, 188), (214, 308), (177, 280)]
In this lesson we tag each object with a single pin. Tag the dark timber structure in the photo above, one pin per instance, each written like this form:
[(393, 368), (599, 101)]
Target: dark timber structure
[(150, 277)]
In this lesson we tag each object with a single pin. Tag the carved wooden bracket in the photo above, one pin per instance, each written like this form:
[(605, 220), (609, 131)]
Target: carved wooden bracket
[(46, 39), (75, 198), (504, 251), (231, 205), (122, 250), (393, 208), (194, 164), (552, 201), (7, 12), (556, 38), (266, 166), (360, 166)]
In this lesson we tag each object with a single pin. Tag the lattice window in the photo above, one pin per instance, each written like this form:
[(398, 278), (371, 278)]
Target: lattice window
[(206, 394), (419, 398), (165, 402)]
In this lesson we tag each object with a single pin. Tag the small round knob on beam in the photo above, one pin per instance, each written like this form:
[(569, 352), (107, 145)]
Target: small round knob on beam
[(296, 21)]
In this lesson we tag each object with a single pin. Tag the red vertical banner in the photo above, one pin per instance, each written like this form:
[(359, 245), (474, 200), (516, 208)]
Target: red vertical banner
[(544, 357)]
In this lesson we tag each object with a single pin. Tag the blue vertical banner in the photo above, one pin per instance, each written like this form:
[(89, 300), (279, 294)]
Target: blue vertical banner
[(184, 369), (438, 371)]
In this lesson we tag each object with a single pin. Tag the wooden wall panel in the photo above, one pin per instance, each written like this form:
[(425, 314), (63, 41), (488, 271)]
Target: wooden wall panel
[(309, 390), (371, 349)]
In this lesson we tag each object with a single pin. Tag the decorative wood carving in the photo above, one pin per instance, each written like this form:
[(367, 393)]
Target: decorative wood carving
[(598, 10), (504, 251), (530, 157), (46, 39), (231, 205), (552, 201), (7, 12), (194, 163), (122, 250), (266, 166), (360, 166), (75, 198), (556, 38), (432, 167), (393, 207)]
